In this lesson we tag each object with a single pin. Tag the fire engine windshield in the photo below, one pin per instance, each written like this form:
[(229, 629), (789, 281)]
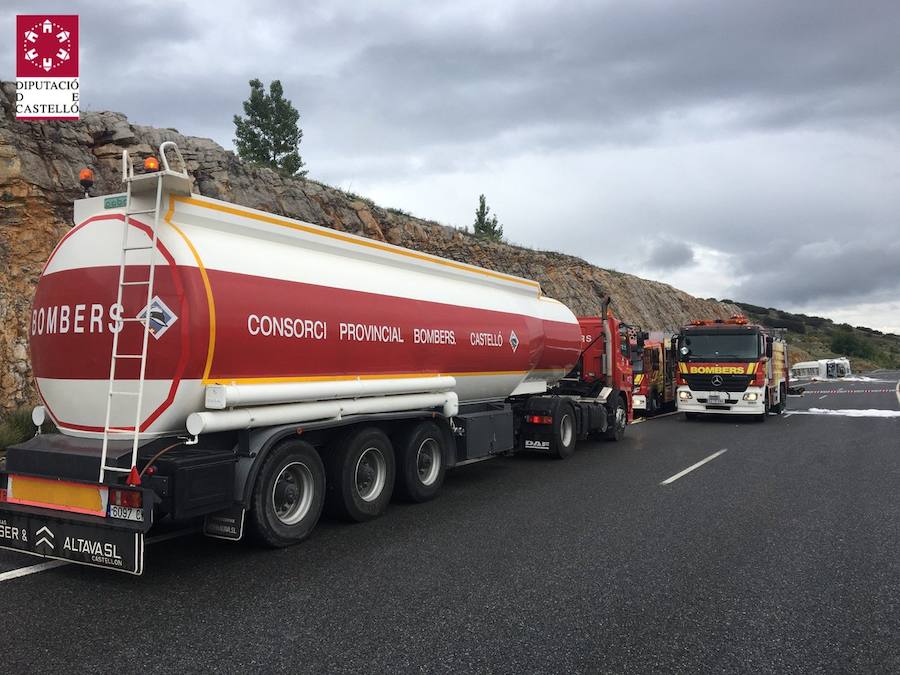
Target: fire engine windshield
[(721, 346)]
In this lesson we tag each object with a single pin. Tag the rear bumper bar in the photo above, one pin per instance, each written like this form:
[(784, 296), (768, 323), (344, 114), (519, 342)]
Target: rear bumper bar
[(81, 539)]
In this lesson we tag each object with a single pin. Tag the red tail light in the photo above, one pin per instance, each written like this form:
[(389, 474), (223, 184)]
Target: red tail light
[(130, 498), (539, 419)]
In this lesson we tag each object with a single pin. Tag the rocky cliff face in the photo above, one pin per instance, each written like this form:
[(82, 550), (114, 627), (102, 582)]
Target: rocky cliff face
[(39, 164)]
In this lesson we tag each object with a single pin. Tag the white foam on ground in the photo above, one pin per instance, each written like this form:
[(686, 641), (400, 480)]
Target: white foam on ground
[(849, 378), (849, 412)]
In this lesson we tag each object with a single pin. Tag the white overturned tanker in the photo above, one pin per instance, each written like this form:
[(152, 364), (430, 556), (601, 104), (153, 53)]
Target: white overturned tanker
[(207, 359)]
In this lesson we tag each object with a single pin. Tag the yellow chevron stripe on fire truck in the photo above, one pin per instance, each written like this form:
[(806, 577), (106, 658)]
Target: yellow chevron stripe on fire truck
[(682, 367), (638, 378)]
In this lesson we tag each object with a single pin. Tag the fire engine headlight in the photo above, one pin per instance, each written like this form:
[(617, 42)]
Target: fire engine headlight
[(752, 396), (684, 395)]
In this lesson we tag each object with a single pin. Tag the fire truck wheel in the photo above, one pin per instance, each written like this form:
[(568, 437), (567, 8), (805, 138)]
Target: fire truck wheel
[(564, 431), (288, 495), (360, 472), (782, 400), (421, 462), (617, 430)]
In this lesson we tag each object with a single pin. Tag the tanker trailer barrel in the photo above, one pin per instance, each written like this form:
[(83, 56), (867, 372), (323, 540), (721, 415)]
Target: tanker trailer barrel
[(238, 322)]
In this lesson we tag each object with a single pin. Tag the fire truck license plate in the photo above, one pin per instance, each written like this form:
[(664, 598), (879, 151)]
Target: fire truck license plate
[(716, 397)]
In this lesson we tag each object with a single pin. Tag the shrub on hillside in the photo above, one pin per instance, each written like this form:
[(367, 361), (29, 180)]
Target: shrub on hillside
[(846, 343), (17, 426)]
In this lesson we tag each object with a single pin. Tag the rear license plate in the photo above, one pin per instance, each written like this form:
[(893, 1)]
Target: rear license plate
[(126, 513), (716, 397)]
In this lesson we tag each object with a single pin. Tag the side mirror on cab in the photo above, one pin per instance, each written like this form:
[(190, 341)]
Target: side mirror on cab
[(769, 342)]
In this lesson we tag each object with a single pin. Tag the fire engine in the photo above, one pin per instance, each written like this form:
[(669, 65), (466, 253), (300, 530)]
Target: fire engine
[(729, 366), (654, 377)]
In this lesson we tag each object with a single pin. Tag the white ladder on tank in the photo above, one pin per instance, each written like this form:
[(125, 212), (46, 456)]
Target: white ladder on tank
[(117, 388)]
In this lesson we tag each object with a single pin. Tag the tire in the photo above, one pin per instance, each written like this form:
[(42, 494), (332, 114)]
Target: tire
[(288, 495), (616, 431), (782, 403), (421, 462), (360, 472), (564, 431)]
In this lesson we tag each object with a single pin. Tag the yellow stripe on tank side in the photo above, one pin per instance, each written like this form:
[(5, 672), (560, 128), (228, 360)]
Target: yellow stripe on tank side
[(341, 378), (211, 349), (330, 234)]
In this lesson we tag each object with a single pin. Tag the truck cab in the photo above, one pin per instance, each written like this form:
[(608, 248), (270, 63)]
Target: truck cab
[(730, 367), (654, 377)]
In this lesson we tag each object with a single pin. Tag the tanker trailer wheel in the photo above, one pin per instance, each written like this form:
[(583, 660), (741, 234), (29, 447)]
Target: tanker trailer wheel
[(616, 430), (360, 472), (288, 494), (421, 462), (564, 431)]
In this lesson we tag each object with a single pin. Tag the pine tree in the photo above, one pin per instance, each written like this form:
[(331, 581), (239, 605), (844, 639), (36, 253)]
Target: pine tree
[(270, 134), (486, 225)]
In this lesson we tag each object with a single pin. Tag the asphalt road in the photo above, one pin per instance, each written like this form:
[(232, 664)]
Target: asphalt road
[(780, 554)]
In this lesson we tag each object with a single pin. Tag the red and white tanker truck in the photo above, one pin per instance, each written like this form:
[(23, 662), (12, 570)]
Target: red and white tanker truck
[(203, 359)]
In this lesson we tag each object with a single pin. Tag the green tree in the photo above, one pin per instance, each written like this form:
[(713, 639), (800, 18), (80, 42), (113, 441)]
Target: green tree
[(270, 133), (848, 344), (486, 225)]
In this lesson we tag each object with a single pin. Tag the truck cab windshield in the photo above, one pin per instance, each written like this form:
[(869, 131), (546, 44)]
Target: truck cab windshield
[(721, 346)]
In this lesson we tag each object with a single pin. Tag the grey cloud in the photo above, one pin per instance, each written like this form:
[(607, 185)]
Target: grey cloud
[(667, 255), (833, 270)]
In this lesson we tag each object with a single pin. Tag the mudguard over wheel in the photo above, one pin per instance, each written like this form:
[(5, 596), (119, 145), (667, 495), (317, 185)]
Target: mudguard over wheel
[(288, 495), (360, 472), (421, 462)]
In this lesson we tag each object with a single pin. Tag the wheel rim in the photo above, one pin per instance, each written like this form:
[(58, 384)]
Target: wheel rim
[(371, 474), (428, 461), (292, 493), (565, 430)]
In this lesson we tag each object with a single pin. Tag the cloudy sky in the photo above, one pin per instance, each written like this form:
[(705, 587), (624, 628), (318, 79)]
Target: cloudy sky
[(733, 149)]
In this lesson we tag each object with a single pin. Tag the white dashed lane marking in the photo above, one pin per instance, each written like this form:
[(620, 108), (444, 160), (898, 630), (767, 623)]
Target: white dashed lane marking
[(678, 475)]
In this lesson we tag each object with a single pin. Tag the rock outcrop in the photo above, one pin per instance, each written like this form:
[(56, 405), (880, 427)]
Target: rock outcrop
[(39, 164)]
